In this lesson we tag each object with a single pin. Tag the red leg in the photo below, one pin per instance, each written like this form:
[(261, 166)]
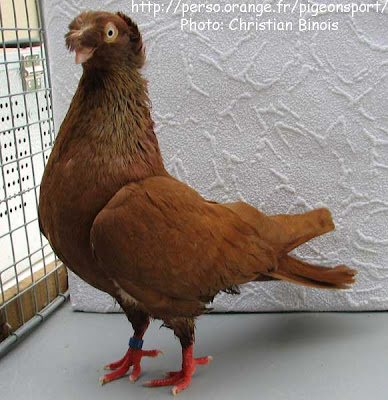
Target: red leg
[(132, 358), (181, 379)]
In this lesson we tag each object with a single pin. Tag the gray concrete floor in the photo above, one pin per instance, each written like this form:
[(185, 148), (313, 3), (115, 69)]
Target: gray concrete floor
[(256, 356)]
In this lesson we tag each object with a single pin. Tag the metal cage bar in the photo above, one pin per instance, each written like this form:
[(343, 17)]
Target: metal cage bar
[(26, 137)]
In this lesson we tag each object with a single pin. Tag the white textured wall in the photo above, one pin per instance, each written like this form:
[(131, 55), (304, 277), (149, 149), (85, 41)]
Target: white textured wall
[(286, 121)]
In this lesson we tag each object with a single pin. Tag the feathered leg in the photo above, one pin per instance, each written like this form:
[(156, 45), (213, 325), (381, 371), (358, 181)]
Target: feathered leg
[(133, 356), (184, 330)]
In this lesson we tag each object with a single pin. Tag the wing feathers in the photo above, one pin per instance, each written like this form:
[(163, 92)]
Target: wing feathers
[(162, 236)]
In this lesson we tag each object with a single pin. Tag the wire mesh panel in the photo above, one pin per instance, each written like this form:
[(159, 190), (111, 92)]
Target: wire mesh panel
[(30, 275)]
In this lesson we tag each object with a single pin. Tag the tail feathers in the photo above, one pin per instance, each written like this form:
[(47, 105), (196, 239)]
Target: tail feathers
[(300, 272), (300, 228), (284, 232)]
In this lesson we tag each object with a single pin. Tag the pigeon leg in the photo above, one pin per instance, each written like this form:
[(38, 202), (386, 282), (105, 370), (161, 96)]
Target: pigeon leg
[(181, 379), (132, 357)]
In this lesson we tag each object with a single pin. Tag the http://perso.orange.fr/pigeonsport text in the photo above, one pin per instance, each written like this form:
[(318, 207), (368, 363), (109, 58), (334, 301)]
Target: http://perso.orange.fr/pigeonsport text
[(283, 15)]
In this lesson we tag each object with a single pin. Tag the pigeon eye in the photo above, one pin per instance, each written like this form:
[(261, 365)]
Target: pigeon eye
[(111, 32)]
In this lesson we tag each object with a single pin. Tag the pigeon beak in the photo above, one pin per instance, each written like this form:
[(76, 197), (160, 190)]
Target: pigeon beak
[(83, 54)]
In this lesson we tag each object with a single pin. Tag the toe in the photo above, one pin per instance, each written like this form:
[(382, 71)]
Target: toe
[(118, 373), (119, 363), (135, 373), (203, 360), (183, 384), (164, 382), (151, 353)]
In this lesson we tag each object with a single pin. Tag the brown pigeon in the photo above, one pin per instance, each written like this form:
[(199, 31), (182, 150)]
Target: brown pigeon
[(119, 220)]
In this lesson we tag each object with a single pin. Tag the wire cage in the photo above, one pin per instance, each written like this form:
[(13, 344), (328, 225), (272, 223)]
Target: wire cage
[(32, 279)]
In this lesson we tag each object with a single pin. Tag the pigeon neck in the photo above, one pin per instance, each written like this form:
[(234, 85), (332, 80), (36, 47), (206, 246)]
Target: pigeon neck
[(117, 101)]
